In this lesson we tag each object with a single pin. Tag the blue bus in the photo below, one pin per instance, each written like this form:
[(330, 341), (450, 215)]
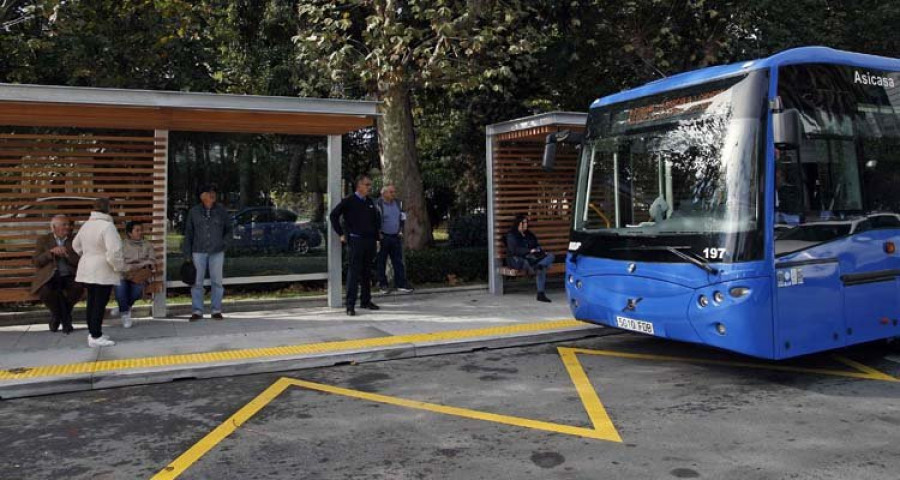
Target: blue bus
[(753, 207)]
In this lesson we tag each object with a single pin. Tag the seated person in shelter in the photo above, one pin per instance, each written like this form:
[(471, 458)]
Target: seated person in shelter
[(523, 252), (54, 281), (140, 260)]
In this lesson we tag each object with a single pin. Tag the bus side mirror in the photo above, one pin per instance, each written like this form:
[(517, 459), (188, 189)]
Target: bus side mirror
[(566, 136), (786, 129)]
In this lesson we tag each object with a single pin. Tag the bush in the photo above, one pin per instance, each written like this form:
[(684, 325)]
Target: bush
[(435, 264), (468, 231)]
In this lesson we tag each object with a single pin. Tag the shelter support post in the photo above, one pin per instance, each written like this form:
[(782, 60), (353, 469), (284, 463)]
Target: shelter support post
[(161, 198), (335, 283), (495, 280)]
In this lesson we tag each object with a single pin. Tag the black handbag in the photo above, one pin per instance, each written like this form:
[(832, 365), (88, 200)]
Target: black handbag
[(534, 258), (188, 273)]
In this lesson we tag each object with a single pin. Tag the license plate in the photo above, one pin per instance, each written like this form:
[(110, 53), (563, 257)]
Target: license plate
[(634, 325)]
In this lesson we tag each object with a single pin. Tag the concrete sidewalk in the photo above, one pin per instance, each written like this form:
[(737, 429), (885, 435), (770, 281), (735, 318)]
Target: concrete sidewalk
[(34, 361)]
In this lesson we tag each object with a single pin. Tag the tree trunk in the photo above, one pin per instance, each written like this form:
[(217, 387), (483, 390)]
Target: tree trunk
[(400, 163)]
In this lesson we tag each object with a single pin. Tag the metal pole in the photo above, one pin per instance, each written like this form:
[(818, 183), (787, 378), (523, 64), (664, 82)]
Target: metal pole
[(161, 146), (335, 283), (495, 281)]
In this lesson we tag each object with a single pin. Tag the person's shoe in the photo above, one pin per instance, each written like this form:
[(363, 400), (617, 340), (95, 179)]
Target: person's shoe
[(543, 298), (67, 328), (406, 290), (54, 324), (126, 318), (100, 342), (217, 316), (385, 290), (370, 306), (351, 312), (195, 317)]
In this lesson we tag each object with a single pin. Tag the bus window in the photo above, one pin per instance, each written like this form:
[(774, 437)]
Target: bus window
[(848, 163)]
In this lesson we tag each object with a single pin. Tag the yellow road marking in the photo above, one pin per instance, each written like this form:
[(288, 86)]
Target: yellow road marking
[(863, 372), (588, 394), (603, 427), (188, 458), (254, 353)]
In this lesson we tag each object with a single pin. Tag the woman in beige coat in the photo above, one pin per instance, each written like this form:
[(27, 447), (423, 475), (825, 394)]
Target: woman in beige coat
[(100, 248), (140, 261)]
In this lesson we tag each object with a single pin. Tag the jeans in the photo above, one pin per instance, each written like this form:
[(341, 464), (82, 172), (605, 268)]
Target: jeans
[(359, 273), (539, 270), (391, 246), (127, 293), (97, 299), (215, 262)]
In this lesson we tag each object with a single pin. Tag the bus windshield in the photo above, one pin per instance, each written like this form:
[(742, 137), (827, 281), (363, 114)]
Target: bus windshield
[(678, 169)]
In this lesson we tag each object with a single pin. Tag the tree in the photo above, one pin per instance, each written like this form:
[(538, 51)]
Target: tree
[(388, 49)]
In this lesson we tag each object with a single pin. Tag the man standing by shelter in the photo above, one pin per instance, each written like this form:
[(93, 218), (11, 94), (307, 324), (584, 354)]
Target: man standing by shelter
[(392, 221), (54, 282), (360, 233), (207, 231)]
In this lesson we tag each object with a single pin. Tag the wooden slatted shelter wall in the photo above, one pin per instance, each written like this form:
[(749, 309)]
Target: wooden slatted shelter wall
[(42, 175), (521, 186)]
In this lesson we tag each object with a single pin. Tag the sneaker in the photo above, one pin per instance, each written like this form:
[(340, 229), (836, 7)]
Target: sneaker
[(385, 290), (406, 290), (195, 317), (100, 342), (217, 316), (126, 319)]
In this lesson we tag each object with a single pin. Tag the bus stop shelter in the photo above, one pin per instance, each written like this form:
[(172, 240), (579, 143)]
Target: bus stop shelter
[(130, 165), (517, 184)]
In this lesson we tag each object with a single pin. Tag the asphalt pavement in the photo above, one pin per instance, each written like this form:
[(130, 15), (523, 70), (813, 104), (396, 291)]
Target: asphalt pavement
[(617, 406)]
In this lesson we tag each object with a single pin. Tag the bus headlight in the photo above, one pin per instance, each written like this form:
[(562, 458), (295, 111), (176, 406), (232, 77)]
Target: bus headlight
[(702, 301), (720, 329), (571, 279), (578, 284), (718, 297)]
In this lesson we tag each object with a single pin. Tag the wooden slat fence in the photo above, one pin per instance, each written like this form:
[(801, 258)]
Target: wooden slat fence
[(521, 186), (42, 175)]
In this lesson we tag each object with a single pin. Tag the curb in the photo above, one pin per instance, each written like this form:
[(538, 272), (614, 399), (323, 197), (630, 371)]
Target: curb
[(123, 378)]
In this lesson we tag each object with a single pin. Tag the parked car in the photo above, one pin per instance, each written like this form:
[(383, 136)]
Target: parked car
[(809, 234), (268, 228)]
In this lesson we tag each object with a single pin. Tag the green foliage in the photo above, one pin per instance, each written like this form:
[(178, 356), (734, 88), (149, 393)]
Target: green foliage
[(433, 265), (469, 231)]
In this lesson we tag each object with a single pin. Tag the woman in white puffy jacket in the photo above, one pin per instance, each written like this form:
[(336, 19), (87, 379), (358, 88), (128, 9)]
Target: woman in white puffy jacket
[(100, 247)]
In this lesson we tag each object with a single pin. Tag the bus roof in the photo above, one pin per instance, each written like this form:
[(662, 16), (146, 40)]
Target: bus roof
[(787, 57)]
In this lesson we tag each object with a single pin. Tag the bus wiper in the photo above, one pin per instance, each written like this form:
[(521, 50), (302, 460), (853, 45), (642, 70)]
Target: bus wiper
[(699, 262)]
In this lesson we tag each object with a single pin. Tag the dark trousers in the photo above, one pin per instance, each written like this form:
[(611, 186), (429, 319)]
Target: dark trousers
[(361, 253), (391, 246), (97, 299), (60, 295)]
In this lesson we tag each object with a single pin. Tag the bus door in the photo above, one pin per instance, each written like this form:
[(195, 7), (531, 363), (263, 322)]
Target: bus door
[(808, 316)]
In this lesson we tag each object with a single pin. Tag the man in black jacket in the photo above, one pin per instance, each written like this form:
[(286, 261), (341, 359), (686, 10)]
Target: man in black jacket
[(360, 233)]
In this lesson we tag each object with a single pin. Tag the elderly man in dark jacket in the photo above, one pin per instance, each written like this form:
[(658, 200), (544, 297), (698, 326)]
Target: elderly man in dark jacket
[(207, 232), (54, 281)]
